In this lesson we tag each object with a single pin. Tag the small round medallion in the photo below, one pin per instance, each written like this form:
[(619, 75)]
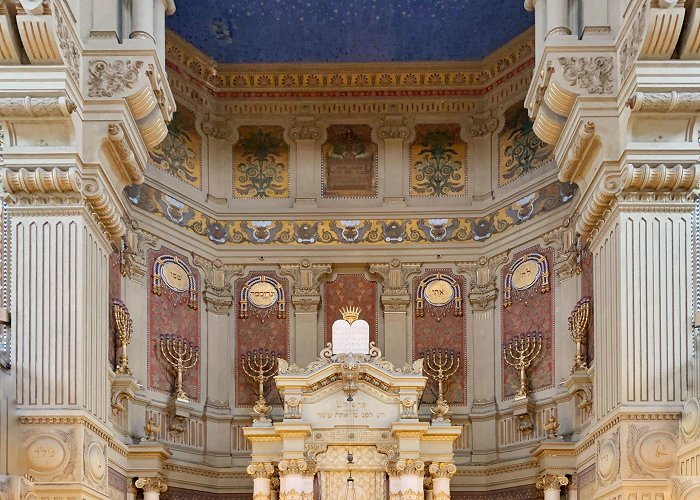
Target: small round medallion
[(438, 292), (525, 275), (175, 276), (262, 294)]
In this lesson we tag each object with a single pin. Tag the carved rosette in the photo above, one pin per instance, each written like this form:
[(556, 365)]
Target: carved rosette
[(152, 484), (261, 470), (551, 482), (442, 469)]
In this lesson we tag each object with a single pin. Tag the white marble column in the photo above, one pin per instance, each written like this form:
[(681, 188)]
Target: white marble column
[(294, 482), (557, 18), (442, 473), (152, 487), (261, 473), (142, 15), (411, 478), (394, 481)]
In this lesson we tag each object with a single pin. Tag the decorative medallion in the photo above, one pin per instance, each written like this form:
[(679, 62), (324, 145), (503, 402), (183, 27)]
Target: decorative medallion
[(261, 163), (690, 419), (439, 293), (438, 161), (608, 460), (349, 162), (259, 294), (46, 454), (176, 275), (524, 274)]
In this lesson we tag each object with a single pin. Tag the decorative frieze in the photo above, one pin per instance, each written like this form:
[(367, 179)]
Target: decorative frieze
[(593, 74), (108, 78), (36, 107)]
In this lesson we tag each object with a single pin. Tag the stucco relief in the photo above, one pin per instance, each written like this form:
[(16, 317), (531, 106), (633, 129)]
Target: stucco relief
[(608, 463), (594, 74), (651, 453), (107, 78), (52, 456)]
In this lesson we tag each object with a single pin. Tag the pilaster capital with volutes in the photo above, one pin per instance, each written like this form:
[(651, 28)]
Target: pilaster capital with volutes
[(217, 294), (483, 280), (551, 482), (259, 470), (305, 128), (567, 250), (307, 276), (410, 466), (393, 127), (296, 467), (442, 469), (152, 484), (394, 276)]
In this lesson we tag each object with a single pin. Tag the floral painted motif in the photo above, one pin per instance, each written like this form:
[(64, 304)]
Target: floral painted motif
[(520, 150), (351, 231), (261, 163), (438, 161), (180, 153)]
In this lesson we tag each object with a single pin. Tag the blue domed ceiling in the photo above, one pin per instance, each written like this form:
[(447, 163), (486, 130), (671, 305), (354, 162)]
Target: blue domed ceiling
[(279, 31)]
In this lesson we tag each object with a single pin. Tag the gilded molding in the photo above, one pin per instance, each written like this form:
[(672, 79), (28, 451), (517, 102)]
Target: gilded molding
[(152, 484), (66, 181), (410, 466), (124, 153), (36, 107), (665, 102)]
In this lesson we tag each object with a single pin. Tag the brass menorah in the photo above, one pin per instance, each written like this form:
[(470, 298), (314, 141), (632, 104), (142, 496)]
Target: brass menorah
[(440, 364), (182, 355), (520, 353), (125, 327), (261, 366), (578, 328)]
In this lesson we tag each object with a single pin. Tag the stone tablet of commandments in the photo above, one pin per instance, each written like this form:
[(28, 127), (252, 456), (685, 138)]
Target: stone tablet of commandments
[(350, 334)]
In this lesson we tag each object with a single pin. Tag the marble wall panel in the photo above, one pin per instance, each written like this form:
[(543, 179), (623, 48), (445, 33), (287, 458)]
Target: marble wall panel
[(587, 291), (115, 280), (350, 290)]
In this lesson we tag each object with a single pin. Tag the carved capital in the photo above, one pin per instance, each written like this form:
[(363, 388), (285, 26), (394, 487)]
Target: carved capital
[(152, 484), (306, 303), (305, 128), (296, 467), (218, 129), (483, 279), (261, 470), (442, 469), (31, 185), (133, 252), (549, 482), (394, 276), (395, 303), (567, 251), (217, 283), (393, 127), (306, 278), (482, 124), (410, 467)]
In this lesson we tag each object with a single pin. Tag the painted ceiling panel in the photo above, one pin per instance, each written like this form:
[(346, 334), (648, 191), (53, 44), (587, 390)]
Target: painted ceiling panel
[(278, 31)]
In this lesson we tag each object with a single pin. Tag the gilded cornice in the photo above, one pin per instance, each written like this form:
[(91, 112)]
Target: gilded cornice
[(430, 79)]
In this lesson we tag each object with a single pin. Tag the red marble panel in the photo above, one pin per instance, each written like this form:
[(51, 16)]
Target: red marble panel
[(515, 493), (350, 290), (529, 312), (259, 332), (183, 494), (587, 291), (169, 315), (442, 329), (115, 292)]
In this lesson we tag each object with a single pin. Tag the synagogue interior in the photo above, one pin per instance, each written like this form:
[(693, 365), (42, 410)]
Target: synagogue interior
[(320, 250)]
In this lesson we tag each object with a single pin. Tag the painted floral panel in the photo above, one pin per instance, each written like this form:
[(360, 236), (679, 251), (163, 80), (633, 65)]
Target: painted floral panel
[(520, 151), (438, 161), (180, 153), (261, 163)]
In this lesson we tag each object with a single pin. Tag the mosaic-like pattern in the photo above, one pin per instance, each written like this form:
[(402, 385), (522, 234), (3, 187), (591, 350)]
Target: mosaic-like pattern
[(438, 161), (261, 163), (180, 153), (442, 329), (349, 162), (350, 231), (256, 331), (520, 151), (350, 290), (530, 310), (168, 314)]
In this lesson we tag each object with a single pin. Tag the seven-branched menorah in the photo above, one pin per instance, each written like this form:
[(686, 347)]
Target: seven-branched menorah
[(125, 327), (578, 328), (182, 356), (261, 366), (520, 353), (440, 364)]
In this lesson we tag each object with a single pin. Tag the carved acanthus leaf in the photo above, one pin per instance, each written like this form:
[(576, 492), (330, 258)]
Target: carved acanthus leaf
[(594, 74), (108, 78)]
